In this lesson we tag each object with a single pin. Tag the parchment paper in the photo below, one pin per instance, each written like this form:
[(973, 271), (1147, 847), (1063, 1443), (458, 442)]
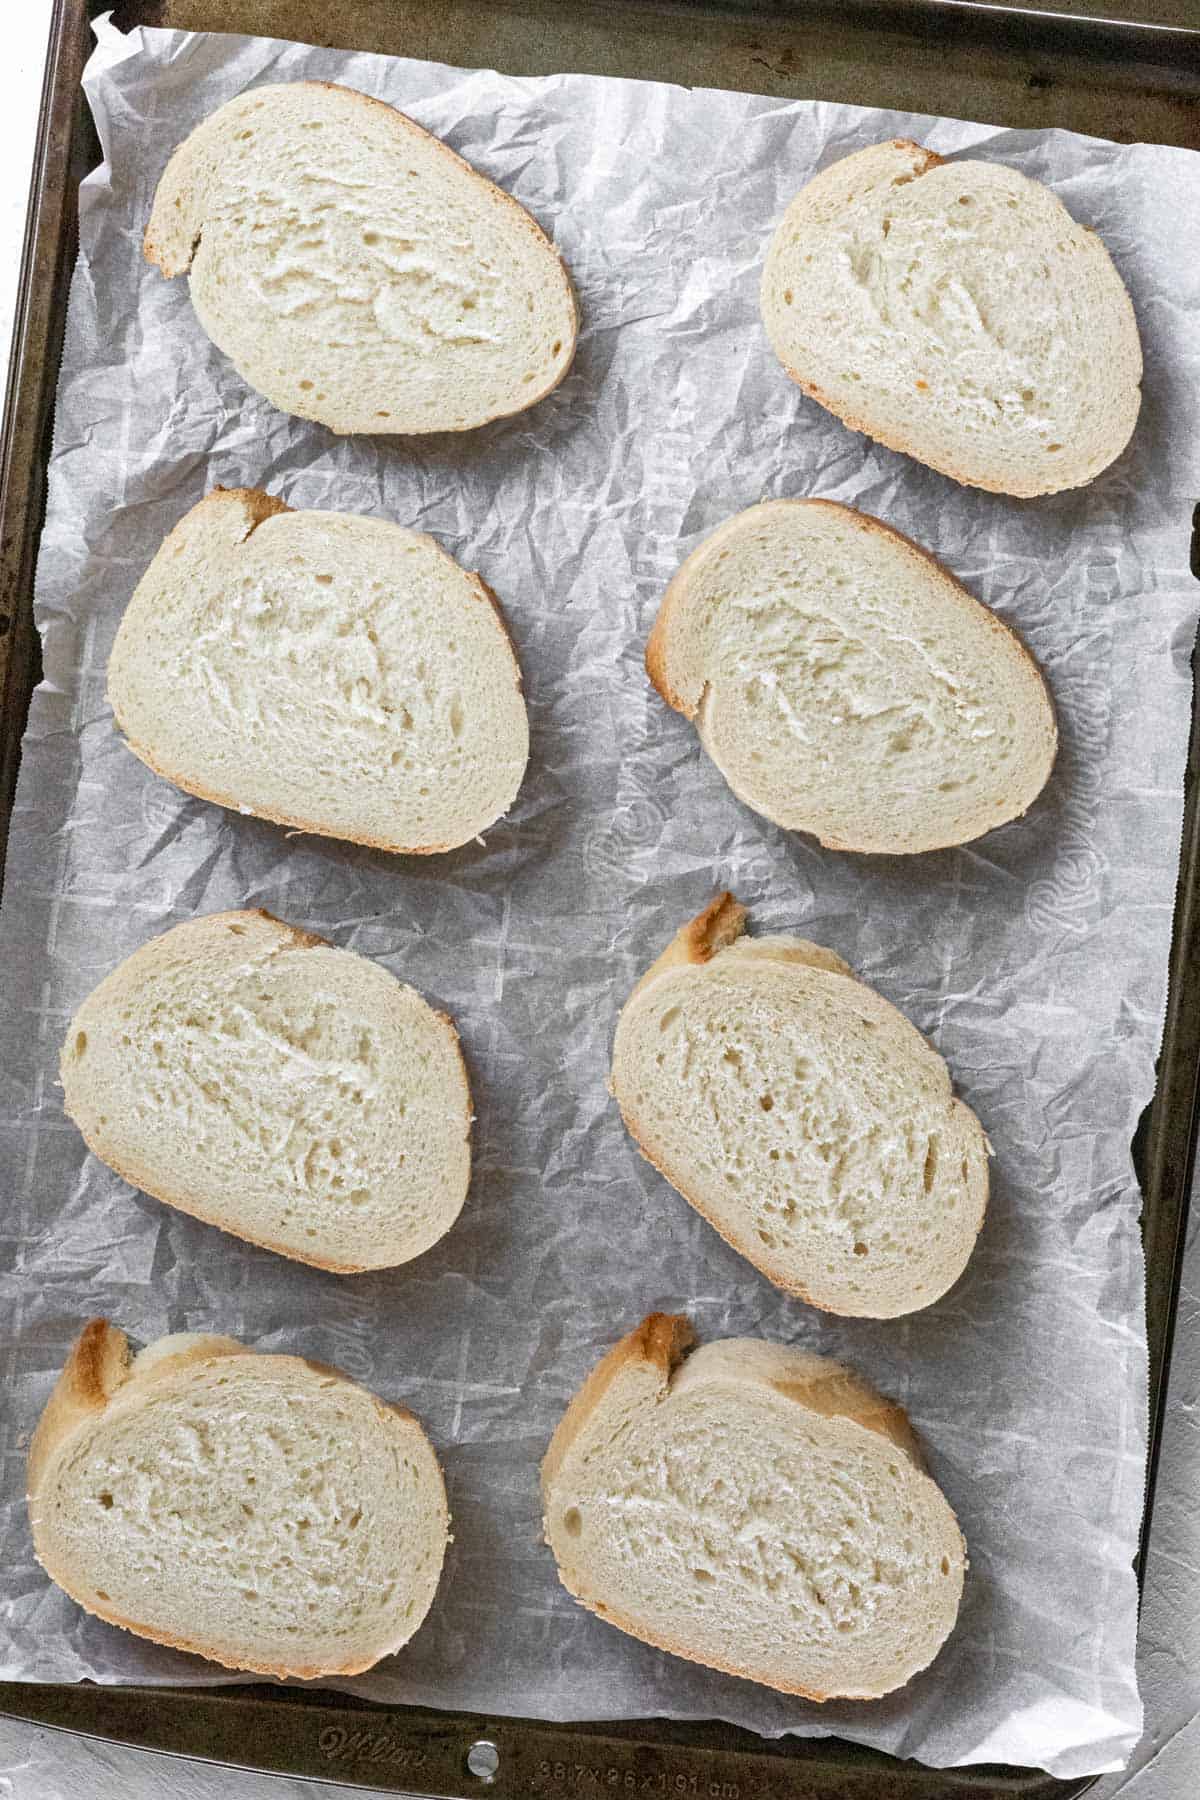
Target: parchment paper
[(1035, 958)]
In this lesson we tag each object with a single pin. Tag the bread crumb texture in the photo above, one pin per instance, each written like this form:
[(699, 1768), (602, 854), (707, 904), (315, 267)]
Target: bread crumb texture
[(262, 1511), (290, 1092), (332, 672), (355, 270), (845, 684), (755, 1508), (956, 311), (806, 1119)]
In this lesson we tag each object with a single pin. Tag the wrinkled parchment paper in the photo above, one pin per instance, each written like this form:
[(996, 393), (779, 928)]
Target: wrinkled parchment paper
[(1035, 958)]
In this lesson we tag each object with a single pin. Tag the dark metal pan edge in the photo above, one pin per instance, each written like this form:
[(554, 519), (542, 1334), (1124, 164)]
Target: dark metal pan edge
[(1173, 1120), (47, 258), (333, 1738)]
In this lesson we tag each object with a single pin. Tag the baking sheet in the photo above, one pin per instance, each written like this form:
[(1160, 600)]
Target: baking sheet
[(1036, 958)]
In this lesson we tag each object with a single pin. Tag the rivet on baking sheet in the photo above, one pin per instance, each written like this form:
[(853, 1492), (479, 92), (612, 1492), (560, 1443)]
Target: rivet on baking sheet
[(483, 1760)]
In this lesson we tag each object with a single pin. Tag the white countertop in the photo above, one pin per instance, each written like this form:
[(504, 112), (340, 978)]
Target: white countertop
[(36, 1764)]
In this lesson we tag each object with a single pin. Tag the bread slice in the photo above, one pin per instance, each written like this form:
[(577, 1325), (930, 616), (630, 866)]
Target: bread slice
[(845, 684), (755, 1508), (331, 672), (957, 312), (802, 1116), (293, 1094), (263, 1511), (355, 270)]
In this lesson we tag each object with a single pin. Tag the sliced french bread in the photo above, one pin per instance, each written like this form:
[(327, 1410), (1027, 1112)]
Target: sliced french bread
[(846, 685), (335, 673), (355, 270), (294, 1094), (802, 1116), (755, 1508), (957, 312), (263, 1511)]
